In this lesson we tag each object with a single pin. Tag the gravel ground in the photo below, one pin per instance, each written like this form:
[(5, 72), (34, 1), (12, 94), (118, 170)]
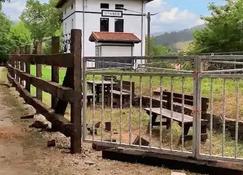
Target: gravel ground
[(23, 150)]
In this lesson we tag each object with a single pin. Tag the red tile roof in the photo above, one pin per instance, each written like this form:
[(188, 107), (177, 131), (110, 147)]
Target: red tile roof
[(114, 37)]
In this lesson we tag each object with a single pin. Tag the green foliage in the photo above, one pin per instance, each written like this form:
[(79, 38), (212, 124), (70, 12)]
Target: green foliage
[(12, 36), (223, 31), (156, 49), (39, 20), (4, 39), (19, 35), (42, 19), (54, 17)]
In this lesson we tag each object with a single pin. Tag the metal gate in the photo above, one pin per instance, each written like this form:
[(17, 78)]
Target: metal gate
[(164, 105)]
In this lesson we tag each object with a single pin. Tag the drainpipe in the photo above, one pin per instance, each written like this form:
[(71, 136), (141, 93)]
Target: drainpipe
[(142, 23), (83, 36), (149, 34)]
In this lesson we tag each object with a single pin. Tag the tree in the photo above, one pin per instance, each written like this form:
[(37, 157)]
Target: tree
[(4, 39), (19, 35), (43, 20), (223, 31), (156, 49)]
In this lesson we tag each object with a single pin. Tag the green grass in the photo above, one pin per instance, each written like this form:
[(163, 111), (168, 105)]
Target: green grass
[(230, 86), (116, 115), (230, 93), (3, 75), (46, 75), (176, 130), (46, 72)]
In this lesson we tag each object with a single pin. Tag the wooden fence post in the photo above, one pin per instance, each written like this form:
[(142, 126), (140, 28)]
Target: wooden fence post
[(27, 67), (22, 64), (38, 73), (76, 105), (11, 62), (55, 46), (17, 65)]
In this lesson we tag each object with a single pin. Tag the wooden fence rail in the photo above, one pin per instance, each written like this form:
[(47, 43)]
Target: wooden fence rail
[(70, 92)]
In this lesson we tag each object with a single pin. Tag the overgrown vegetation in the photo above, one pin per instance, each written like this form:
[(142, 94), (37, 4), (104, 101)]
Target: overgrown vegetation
[(4, 39), (42, 19), (38, 21), (156, 49), (223, 31)]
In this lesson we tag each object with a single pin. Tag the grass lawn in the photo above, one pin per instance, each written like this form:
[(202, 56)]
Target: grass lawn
[(230, 86), (230, 90), (46, 75)]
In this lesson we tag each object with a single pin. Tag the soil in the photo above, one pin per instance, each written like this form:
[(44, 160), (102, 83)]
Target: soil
[(24, 150)]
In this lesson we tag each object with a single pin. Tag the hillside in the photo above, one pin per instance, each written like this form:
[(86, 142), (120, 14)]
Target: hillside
[(176, 40)]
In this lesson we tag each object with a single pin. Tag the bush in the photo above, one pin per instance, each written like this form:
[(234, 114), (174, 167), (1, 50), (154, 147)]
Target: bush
[(3, 58)]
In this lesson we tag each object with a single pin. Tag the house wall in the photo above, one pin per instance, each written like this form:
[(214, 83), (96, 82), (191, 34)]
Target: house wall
[(87, 18), (116, 50)]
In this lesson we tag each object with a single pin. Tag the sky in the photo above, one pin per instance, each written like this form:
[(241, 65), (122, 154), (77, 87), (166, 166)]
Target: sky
[(172, 15)]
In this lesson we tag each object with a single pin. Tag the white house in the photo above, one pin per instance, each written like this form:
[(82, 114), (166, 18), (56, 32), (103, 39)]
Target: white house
[(110, 27)]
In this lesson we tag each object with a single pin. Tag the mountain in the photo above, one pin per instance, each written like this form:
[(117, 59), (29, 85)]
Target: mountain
[(176, 40)]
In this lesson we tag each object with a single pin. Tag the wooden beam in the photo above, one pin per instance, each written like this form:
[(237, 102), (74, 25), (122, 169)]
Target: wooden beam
[(64, 93), (59, 123), (61, 105), (76, 105), (27, 67), (72, 79), (22, 65), (173, 161), (60, 60), (54, 69), (38, 70)]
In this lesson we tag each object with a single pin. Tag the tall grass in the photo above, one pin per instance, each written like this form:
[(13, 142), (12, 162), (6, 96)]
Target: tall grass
[(46, 75), (176, 83)]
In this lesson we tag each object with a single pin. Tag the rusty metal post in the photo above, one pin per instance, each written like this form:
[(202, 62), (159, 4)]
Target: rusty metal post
[(196, 107)]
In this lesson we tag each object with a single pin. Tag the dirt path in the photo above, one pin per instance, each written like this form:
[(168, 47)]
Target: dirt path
[(23, 150)]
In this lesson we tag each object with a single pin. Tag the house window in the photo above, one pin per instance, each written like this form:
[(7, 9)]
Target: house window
[(119, 6), (104, 6), (104, 24), (119, 25)]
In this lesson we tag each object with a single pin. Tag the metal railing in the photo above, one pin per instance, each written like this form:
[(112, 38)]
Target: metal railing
[(128, 105)]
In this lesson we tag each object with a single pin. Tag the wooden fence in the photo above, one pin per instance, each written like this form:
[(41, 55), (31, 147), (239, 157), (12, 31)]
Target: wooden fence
[(69, 92)]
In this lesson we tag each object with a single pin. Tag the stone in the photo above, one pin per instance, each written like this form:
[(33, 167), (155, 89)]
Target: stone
[(143, 141), (39, 124), (177, 173), (108, 126), (51, 143), (97, 125), (89, 162)]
